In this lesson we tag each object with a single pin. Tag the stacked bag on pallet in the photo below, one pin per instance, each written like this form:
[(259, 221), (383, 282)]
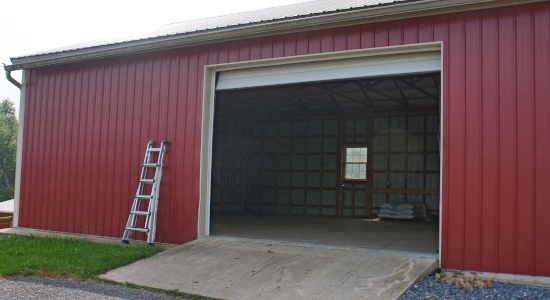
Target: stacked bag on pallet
[(401, 211)]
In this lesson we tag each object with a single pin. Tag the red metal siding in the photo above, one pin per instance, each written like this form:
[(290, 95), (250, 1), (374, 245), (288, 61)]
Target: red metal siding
[(87, 123)]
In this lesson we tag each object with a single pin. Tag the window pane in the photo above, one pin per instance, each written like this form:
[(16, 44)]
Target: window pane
[(355, 166), (348, 171)]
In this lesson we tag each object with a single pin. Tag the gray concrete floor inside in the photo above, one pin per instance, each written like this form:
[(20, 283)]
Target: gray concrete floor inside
[(395, 235)]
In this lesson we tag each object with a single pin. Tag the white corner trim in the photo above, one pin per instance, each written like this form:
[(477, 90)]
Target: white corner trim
[(19, 153), (441, 165)]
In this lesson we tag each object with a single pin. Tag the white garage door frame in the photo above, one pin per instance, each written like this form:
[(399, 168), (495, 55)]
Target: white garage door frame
[(288, 62)]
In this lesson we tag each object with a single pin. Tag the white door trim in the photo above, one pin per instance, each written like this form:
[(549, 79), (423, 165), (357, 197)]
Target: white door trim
[(209, 101)]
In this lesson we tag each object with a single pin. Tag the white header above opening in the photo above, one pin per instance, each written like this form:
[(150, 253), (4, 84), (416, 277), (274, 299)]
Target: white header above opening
[(370, 66)]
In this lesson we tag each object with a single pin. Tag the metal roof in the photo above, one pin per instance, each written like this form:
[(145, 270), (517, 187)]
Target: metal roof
[(249, 17), (277, 20)]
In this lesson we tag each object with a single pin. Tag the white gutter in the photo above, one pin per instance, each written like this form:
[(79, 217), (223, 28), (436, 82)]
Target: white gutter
[(304, 23), (11, 79)]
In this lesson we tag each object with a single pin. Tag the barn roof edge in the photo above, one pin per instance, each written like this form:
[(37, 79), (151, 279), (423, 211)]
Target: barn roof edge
[(392, 10)]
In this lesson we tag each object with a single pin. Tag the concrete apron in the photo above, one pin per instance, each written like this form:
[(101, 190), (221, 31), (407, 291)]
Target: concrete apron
[(236, 268)]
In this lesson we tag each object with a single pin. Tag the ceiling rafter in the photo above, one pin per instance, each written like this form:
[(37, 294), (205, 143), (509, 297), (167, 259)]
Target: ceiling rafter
[(369, 88), (405, 100), (423, 91)]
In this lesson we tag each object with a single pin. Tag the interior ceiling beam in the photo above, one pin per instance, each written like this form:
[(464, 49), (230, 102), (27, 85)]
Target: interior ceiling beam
[(300, 106), (405, 100), (369, 100), (423, 91), (331, 93), (351, 100), (436, 80), (329, 104), (329, 89), (335, 101), (367, 87)]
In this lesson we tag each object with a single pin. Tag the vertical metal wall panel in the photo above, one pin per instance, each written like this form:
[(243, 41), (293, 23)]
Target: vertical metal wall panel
[(525, 142), (541, 222), (455, 138), (472, 167), (496, 115), (507, 206), (489, 154)]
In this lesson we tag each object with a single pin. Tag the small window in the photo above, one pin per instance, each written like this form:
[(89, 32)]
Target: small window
[(355, 162)]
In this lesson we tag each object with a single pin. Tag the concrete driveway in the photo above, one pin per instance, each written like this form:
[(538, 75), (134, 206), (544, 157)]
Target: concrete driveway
[(235, 268)]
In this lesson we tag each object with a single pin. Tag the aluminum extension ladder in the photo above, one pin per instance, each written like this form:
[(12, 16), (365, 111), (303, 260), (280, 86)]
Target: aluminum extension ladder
[(151, 213)]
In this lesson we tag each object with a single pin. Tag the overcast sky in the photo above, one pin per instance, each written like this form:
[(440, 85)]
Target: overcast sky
[(36, 25)]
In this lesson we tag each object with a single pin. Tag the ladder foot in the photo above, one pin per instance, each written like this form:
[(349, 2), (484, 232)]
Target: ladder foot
[(125, 242), (151, 244)]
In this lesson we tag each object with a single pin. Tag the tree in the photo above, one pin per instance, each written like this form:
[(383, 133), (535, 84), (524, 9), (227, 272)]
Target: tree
[(8, 148)]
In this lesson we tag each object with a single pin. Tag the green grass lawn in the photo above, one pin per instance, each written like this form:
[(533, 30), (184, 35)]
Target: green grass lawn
[(29, 255)]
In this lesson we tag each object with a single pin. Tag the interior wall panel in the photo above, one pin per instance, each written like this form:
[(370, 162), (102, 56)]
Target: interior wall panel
[(496, 114)]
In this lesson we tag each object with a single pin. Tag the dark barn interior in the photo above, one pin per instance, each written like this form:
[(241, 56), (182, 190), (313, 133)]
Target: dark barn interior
[(314, 162)]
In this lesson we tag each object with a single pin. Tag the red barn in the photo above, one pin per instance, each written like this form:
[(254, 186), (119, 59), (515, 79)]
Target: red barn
[(321, 113)]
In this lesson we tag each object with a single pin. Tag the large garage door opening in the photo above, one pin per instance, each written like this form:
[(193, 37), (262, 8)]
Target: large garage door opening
[(352, 162)]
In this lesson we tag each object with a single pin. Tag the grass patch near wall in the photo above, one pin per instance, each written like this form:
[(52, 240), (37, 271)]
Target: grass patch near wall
[(28, 255)]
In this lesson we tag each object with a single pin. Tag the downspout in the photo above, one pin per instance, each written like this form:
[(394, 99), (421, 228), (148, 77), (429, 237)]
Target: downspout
[(17, 84), (19, 155), (13, 81)]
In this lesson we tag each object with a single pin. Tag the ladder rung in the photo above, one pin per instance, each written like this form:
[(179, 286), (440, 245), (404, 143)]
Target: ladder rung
[(140, 213), (144, 196), (154, 149), (137, 229), (151, 165), (148, 181)]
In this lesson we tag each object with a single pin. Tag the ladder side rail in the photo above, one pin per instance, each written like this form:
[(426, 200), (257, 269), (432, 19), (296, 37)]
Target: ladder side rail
[(141, 185), (152, 217), (148, 217), (154, 202), (132, 218), (137, 201), (155, 193)]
